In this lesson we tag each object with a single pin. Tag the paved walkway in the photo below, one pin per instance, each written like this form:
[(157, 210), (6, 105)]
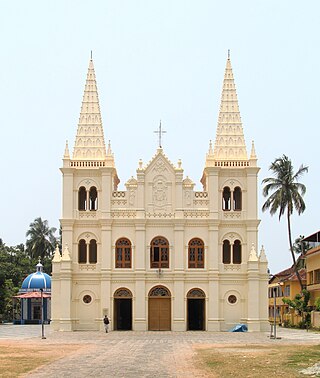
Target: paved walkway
[(138, 354)]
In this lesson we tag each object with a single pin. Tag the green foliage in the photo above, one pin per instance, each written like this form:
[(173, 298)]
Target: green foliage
[(317, 304), (16, 263), (287, 324), (300, 302), (41, 240), (285, 194)]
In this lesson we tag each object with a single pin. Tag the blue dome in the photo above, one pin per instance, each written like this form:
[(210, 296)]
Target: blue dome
[(36, 281)]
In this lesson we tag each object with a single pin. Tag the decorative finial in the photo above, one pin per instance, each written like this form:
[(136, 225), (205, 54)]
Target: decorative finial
[(210, 148), (160, 132), (228, 53), (140, 163), (253, 254), (91, 55), (263, 257), (66, 151), (109, 152)]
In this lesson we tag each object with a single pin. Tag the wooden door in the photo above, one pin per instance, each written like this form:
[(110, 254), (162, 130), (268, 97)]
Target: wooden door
[(159, 314)]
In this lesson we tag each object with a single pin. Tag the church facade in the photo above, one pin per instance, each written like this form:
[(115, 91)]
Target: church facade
[(160, 255)]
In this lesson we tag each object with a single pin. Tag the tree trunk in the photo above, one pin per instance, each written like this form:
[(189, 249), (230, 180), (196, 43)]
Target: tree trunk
[(292, 253)]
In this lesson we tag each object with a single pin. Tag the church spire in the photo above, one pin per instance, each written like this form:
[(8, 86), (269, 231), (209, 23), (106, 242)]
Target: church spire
[(229, 144), (90, 144)]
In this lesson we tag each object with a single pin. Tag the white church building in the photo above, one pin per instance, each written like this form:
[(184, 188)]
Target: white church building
[(160, 255)]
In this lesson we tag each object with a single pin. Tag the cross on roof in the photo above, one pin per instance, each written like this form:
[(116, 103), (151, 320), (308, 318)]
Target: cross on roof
[(160, 132)]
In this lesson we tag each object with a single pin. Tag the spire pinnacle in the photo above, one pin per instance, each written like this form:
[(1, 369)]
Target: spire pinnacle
[(89, 144), (66, 151), (229, 143), (253, 155)]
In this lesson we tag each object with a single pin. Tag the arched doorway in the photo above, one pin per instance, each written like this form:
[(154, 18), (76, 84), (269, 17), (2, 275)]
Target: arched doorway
[(196, 310), (122, 310), (159, 306)]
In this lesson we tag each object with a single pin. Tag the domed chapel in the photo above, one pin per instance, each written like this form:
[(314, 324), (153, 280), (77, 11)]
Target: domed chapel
[(160, 255)]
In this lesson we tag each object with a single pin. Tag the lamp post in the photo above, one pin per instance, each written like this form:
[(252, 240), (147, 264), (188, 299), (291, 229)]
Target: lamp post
[(42, 316), (275, 312)]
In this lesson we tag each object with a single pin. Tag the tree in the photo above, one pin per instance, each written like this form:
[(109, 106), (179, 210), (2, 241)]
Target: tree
[(41, 240), (287, 195)]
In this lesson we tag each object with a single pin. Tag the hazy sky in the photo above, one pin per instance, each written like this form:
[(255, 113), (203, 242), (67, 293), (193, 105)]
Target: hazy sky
[(156, 60)]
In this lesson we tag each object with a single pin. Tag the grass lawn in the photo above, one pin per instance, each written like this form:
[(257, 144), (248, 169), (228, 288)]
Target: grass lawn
[(244, 361), (17, 359)]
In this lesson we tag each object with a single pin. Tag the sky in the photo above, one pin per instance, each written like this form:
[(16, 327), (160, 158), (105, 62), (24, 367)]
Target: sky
[(156, 60)]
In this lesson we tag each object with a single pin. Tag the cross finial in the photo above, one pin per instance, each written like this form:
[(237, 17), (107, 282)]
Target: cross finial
[(160, 132)]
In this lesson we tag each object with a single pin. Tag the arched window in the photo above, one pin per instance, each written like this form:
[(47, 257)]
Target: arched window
[(237, 199), (93, 199), (82, 198), (236, 252), (226, 252), (226, 199), (93, 252), (82, 252), (87, 253), (123, 253), (159, 253), (196, 253)]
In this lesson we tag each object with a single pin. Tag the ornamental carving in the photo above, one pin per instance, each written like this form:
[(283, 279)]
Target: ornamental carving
[(132, 196), (159, 292), (232, 268), (196, 214), (188, 197), (123, 293), (159, 191), (196, 293), (123, 214), (232, 215), (160, 215), (159, 166)]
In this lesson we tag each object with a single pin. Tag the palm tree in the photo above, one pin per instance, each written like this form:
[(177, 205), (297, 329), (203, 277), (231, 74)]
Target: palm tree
[(286, 195), (41, 240)]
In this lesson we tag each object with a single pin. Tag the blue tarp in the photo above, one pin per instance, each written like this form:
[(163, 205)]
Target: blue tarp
[(239, 328)]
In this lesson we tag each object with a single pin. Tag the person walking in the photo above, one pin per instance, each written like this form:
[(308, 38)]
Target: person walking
[(106, 323)]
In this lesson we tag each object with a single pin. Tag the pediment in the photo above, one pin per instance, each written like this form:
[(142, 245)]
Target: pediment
[(160, 165)]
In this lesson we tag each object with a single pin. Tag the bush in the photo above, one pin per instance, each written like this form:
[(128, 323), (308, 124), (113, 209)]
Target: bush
[(317, 304), (287, 324)]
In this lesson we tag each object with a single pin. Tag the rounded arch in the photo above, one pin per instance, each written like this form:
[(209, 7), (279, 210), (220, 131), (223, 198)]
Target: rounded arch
[(122, 292), (159, 252), (237, 198), (159, 291), (82, 198), (123, 253), (231, 236), (226, 198), (82, 251), (237, 252), (93, 198), (87, 236), (196, 293), (196, 253), (88, 183)]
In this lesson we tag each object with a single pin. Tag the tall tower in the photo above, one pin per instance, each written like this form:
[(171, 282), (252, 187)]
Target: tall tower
[(233, 177), (85, 211)]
